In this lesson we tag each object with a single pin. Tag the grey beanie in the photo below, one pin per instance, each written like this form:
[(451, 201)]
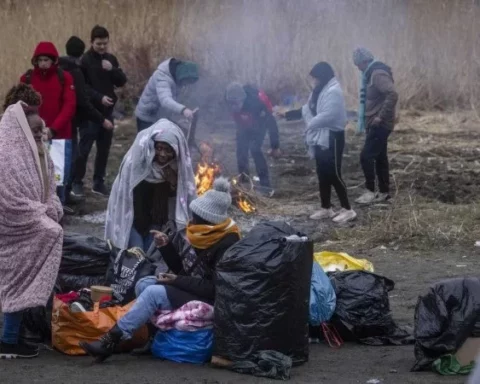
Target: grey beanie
[(235, 92), (213, 205), (362, 55)]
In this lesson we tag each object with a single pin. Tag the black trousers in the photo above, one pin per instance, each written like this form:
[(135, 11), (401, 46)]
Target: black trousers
[(250, 140), (68, 187), (374, 159), (329, 171), (91, 133)]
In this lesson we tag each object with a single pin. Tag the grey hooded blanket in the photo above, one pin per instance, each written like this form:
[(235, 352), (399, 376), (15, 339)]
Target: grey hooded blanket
[(136, 167)]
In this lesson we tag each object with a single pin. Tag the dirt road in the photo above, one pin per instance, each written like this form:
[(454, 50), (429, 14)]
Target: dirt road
[(412, 266)]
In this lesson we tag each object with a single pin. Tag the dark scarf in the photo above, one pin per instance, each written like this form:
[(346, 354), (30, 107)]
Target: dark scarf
[(324, 73)]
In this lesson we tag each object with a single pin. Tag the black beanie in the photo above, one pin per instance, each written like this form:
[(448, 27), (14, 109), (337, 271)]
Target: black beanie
[(75, 47)]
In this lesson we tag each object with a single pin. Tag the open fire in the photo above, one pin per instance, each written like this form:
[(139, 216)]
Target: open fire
[(208, 170)]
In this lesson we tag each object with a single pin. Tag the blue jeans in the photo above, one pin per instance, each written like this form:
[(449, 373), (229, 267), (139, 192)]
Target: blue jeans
[(11, 327), (151, 297), (137, 240)]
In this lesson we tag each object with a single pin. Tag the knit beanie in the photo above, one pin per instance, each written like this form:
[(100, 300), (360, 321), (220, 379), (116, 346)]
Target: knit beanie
[(362, 55), (186, 70), (75, 47), (235, 92), (213, 205)]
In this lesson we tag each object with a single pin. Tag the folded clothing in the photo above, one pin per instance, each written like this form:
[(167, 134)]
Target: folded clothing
[(190, 317)]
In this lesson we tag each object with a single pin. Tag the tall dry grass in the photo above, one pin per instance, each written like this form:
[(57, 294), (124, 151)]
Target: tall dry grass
[(432, 45)]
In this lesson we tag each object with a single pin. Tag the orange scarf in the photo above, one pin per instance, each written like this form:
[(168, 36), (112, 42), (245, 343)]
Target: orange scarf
[(205, 236)]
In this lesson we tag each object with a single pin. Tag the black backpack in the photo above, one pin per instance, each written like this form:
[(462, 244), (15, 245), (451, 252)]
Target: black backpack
[(61, 76)]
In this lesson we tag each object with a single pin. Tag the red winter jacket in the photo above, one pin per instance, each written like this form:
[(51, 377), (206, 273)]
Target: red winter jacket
[(58, 103)]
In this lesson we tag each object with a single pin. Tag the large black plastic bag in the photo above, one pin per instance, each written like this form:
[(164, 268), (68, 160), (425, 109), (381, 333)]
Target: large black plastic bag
[(84, 255), (262, 288), (444, 318), (67, 283), (363, 312)]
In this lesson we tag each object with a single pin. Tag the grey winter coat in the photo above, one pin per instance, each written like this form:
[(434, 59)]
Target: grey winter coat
[(331, 116), (158, 97)]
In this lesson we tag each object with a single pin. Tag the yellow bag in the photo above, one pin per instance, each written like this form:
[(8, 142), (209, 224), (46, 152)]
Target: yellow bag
[(338, 261), (69, 328)]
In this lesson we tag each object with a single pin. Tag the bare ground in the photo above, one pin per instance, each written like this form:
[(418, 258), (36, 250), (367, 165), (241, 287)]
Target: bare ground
[(426, 234)]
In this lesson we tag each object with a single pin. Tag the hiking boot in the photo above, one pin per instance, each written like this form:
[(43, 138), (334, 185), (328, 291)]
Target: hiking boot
[(367, 198), (323, 214), (17, 351), (382, 197), (344, 216), (77, 191), (101, 189), (102, 349)]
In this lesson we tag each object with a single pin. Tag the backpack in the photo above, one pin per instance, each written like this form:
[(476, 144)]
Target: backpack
[(60, 74)]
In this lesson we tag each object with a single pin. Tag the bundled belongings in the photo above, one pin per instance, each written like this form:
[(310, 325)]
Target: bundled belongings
[(190, 317), (84, 263), (186, 334), (71, 324), (363, 309), (446, 318), (340, 261), (262, 295)]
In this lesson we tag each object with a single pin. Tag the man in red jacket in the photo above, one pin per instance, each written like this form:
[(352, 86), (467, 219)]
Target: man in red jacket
[(59, 101)]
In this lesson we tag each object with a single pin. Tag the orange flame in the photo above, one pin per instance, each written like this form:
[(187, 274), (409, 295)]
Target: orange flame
[(208, 170)]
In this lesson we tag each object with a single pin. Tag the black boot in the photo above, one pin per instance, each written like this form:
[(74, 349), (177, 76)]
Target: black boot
[(103, 348)]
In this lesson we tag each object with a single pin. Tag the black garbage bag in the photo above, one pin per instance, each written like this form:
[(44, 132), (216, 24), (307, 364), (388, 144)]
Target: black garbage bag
[(270, 364), (363, 312), (262, 286), (84, 255), (125, 270), (67, 283), (444, 318)]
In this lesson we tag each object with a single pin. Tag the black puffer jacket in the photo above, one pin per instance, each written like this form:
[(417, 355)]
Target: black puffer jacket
[(85, 109), (102, 83), (188, 288)]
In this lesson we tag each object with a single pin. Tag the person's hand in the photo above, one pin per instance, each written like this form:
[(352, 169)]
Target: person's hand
[(166, 278), (107, 65), (188, 113), (160, 238), (107, 101), (170, 176), (107, 124), (377, 121), (280, 114), (275, 153)]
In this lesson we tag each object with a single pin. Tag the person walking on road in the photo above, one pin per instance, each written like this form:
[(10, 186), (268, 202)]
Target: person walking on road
[(158, 99), (102, 75), (376, 116)]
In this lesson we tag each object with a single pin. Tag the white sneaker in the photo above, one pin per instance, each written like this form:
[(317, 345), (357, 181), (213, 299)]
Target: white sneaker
[(345, 216), (323, 214), (367, 198), (382, 197), (77, 307)]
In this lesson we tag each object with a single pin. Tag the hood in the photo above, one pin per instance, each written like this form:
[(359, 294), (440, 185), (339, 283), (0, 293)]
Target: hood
[(164, 68), (68, 63), (45, 48)]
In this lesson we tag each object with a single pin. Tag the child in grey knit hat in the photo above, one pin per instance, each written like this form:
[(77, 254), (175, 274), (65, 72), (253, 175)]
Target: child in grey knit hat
[(212, 207)]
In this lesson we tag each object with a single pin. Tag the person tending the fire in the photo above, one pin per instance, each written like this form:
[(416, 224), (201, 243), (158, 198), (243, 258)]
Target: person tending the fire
[(159, 98), (252, 111), (155, 185)]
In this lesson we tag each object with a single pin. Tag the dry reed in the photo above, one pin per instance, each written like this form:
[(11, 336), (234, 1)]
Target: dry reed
[(431, 45)]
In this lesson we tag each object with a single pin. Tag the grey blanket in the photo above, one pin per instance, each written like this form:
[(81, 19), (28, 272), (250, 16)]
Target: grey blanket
[(135, 167)]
